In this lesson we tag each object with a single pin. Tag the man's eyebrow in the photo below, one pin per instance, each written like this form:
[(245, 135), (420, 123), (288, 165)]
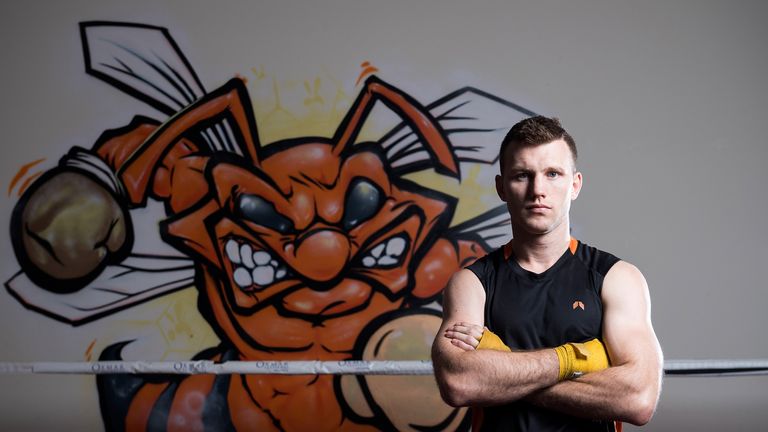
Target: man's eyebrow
[(530, 170), (520, 169), (555, 168)]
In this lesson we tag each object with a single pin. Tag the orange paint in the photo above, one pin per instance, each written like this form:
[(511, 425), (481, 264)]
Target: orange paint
[(28, 182), (22, 172), (368, 69), (89, 350)]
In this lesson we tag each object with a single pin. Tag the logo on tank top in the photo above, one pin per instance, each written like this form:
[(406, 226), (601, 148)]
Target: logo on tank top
[(578, 304)]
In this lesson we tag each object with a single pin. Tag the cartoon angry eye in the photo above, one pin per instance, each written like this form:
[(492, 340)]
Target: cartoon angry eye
[(364, 199), (258, 210)]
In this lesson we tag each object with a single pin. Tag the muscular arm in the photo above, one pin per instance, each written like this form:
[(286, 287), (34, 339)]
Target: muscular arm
[(483, 377), (629, 389)]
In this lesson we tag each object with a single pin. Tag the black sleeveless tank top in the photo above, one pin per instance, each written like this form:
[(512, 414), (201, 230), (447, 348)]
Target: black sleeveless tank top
[(533, 311)]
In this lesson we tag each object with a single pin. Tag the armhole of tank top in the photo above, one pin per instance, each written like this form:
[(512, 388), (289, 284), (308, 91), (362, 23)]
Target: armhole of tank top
[(483, 278), (610, 261), (487, 310), (490, 289), (595, 260)]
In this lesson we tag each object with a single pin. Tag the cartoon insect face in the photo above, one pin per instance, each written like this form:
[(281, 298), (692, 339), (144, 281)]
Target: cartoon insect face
[(315, 231), (322, 231)]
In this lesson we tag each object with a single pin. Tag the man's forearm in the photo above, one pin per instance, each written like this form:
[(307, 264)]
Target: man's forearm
[(489, 377), (617, 393)]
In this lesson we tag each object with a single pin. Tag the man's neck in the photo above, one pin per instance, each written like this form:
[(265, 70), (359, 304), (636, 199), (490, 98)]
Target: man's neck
[(538, 252)]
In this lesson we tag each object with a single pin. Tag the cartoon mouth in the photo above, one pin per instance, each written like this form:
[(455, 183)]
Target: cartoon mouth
[(388, 253), (253, 269)]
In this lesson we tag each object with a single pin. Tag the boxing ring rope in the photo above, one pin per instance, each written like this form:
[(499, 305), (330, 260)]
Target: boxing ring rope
[(343, 367)]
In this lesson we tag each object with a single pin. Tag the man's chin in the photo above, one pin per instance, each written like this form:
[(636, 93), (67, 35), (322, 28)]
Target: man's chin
[(538, 229)]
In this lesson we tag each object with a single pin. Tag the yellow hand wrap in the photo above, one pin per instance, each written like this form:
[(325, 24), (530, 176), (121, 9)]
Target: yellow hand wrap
[(576, 359), (489, 340)]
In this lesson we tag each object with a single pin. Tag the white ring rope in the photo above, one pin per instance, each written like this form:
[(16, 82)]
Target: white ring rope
[(343, 367), (716, 367)]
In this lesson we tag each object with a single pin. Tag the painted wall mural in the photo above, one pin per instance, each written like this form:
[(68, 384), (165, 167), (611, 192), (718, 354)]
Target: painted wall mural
[(302, 248)]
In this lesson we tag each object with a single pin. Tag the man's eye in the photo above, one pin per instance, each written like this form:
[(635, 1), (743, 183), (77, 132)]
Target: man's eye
[(260, 211), (363, 201), (553, 174), (520, 176)]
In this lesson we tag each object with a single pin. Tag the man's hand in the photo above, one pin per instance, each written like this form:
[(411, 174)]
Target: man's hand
[(464, 335), (473, 337)]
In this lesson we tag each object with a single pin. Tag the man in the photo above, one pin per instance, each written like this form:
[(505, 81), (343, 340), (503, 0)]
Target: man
[(556, 302)]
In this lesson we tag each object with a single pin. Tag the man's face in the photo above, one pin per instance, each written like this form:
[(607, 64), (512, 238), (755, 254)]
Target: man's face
[(538, 184)]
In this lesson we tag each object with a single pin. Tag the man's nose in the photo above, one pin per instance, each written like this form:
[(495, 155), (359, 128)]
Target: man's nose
[(537, 186)]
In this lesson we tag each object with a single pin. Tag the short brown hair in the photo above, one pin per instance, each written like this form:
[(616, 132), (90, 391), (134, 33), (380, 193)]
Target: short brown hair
[(535, 131)]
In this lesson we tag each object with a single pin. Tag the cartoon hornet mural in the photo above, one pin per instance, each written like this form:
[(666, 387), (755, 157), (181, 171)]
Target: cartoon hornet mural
[(305, 249)]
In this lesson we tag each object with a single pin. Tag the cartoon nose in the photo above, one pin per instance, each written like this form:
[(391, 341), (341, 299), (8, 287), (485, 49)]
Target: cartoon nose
[(323, 254)]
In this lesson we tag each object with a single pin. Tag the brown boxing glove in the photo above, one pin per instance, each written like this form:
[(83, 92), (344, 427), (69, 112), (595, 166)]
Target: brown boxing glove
[(66, 227)]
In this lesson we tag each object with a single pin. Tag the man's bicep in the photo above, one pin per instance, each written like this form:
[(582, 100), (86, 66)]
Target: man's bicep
[(627, 330), (463, 299)]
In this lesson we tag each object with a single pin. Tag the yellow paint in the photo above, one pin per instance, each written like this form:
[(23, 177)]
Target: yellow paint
[(165, 329), (475, 196), (314, 106)]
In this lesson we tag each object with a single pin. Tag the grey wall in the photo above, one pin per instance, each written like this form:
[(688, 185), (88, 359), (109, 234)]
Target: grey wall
[(666, 99)]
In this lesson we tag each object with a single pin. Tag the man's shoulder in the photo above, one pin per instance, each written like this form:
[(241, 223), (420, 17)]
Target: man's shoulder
[(492, 256), (618, 274), (595, 259)]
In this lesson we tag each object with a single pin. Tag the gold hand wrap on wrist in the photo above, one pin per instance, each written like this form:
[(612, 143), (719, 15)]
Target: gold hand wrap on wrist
[(577, 359)]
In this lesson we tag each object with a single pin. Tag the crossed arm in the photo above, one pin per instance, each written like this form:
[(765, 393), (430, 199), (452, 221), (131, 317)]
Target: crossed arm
[(626, 391)]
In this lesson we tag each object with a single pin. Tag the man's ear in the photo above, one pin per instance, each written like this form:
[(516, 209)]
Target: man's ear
[(500, 188), (578, 181)]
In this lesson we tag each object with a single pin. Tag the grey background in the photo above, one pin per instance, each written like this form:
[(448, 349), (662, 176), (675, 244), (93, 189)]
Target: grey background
[(666, 100)]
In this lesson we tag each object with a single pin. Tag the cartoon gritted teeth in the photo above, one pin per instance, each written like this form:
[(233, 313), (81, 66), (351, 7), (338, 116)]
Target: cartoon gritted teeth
[(253, 269), (387, 253)]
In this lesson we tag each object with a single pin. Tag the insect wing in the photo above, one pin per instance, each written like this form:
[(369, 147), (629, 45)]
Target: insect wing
[(474, 121), (145, 62), (492, 228), (135, 280)]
